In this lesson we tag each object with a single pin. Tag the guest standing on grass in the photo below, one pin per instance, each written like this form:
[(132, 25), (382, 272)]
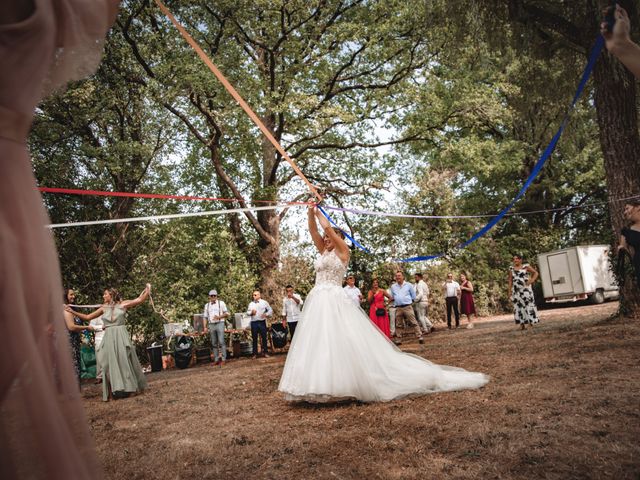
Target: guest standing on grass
[(403, 297), (452, 293), (45, 44), (98, 329), (422, 304), (121, 370), (259, 310), (521, 277), (215, 313), (392, 312), (377, 310), (467, 305)]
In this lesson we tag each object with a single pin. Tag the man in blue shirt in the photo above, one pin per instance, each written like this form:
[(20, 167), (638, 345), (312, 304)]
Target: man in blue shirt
[(403, 296)]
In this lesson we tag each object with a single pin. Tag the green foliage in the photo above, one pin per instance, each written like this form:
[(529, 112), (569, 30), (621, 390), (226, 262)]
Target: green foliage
[(189, 258), (460, 101)]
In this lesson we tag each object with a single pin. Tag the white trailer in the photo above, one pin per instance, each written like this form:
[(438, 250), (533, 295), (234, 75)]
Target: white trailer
[(577, 273)]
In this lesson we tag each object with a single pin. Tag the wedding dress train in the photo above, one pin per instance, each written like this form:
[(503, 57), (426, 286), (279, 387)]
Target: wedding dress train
[(338, 354)]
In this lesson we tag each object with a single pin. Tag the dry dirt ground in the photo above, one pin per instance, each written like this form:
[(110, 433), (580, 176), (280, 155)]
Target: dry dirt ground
[(563, 402)]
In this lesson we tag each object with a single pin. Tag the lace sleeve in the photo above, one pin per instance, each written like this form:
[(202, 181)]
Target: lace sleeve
[(80, 29)]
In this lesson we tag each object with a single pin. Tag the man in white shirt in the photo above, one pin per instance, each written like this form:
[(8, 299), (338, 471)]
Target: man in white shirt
[(392, 312), (422, 304), (291, 309), (215, 311), (452, 293), (352, 291), (259, 310)]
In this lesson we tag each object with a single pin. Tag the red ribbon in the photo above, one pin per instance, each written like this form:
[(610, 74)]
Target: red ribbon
[(101, 193)]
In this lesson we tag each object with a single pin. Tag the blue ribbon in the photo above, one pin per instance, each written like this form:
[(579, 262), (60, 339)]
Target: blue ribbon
[(593, 57), (351, 239)]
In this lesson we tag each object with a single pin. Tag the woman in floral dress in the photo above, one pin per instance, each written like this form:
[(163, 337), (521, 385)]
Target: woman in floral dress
[(521, 277)]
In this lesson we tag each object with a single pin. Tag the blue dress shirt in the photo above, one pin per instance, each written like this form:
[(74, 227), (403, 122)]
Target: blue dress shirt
[(403, 295)]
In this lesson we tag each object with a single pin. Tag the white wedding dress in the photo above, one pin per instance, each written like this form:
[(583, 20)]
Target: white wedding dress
[(337, 353)]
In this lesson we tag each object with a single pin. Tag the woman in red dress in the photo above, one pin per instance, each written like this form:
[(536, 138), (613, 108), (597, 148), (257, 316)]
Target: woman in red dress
[(377, 311), (467, 306)]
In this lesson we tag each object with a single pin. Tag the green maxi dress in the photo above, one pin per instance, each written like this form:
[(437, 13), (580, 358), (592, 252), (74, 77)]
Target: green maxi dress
[(117, 356)]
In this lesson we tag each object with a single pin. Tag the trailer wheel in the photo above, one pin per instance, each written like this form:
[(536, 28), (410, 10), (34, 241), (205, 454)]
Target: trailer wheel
[(597, 297)]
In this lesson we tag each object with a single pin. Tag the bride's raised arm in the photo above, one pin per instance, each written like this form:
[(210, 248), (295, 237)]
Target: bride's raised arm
[(313, 230), (341, 247)]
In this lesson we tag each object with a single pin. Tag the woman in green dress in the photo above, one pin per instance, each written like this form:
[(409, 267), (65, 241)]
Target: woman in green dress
[(116, 355)]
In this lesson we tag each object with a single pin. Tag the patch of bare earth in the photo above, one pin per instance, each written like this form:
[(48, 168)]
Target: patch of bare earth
[(562, 403)]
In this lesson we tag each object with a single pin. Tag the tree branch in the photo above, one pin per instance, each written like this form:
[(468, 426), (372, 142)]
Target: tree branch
[(526, 13), (187, 123), (220, 171)]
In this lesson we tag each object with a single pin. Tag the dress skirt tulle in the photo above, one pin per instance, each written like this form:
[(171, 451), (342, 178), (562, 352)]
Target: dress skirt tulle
[(338, 354)]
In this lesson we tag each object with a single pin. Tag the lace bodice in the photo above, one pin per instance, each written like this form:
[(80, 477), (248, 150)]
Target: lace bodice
[(329, 269)]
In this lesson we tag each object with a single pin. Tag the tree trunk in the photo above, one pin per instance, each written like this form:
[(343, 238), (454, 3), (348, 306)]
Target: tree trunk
[(269, 219), (616, 109), (615, 99), (269, 260)]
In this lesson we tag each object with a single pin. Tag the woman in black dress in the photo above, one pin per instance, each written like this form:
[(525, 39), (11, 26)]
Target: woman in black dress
[(630, 238), (74, 327)]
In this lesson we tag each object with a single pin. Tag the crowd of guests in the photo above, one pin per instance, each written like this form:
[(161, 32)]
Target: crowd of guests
[(406, 303), (42, 54), (399, 304)]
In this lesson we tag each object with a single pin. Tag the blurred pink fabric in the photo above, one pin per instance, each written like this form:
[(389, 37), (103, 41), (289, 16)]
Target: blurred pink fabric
[(43, 429)]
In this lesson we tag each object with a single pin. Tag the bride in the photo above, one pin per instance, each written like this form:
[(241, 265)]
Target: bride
[(338, 354)]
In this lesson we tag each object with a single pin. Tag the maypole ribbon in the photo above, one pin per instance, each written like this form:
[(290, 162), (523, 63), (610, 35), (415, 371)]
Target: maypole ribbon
[(159, 312), (164, 217), (353, 240), (203, 56), (103, 193), (595, 53)]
